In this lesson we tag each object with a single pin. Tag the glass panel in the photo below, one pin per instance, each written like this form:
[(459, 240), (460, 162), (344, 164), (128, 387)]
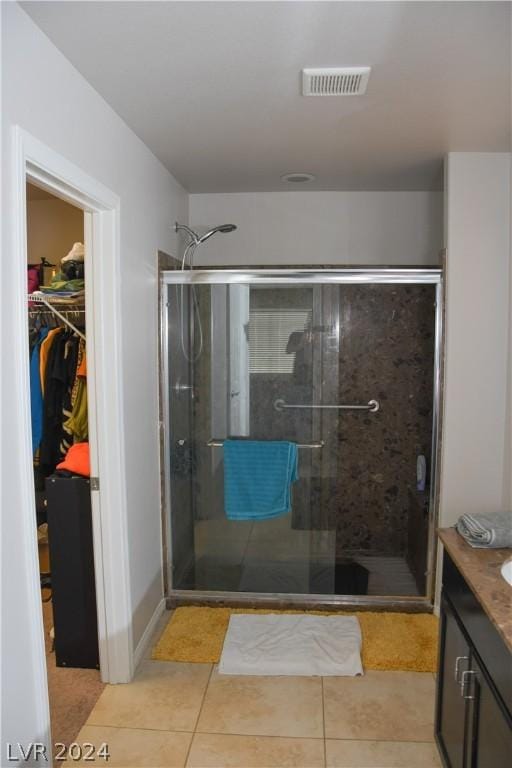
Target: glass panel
[(181, 437), (237, 354)]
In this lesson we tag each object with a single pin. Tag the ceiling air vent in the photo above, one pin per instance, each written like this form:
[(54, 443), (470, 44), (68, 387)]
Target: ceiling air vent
[(335, 81)]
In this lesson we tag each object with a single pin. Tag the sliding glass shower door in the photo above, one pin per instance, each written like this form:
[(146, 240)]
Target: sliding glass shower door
[(343, 368)]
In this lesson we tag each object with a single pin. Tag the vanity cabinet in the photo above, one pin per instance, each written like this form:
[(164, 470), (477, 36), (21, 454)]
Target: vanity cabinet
[(451, 714), (474, 684), (490, 724)]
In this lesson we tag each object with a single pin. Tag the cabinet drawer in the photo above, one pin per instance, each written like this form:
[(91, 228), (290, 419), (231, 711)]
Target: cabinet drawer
[(485, 638)]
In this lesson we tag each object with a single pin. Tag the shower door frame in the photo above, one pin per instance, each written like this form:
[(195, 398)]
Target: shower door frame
[(305, 276)]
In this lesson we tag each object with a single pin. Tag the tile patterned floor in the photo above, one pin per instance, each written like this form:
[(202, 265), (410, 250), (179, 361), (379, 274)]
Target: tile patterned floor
[(72, 691), (188, 715)]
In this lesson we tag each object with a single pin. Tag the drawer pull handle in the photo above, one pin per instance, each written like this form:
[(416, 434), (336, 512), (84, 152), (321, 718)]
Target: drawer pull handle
[(466, 678), (458, 662)]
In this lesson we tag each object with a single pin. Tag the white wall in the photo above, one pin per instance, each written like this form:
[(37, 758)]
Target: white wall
[(46, 96), (398, 228), (507, 490), (475, 475)]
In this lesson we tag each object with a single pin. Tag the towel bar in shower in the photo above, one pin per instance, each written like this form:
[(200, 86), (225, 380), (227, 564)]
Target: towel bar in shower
[(216, 443), (372, 406)]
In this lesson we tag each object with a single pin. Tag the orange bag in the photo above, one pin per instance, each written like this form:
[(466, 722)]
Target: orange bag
[(77, 460)]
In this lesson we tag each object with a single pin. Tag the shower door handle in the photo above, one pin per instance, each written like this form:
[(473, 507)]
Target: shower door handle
[(372, 406), (179, 387), (215, 442)]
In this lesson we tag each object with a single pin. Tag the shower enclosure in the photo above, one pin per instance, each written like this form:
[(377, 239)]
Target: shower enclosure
[(346, 363)]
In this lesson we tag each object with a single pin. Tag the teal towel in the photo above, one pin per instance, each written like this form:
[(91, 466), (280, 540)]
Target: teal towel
[(258, 477)]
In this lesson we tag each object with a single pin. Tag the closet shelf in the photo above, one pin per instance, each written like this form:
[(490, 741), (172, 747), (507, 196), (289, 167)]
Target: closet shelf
[(39, 298)]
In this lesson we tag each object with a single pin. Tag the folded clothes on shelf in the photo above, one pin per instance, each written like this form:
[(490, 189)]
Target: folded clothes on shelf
[(60, 284)]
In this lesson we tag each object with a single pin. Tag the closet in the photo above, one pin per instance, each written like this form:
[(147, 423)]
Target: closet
[(59, 417)]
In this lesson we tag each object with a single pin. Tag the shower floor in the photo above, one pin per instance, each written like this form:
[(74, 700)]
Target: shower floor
[(271, 557)]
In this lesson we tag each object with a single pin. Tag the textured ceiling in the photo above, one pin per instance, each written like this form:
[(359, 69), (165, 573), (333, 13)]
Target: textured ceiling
[(213, 88)]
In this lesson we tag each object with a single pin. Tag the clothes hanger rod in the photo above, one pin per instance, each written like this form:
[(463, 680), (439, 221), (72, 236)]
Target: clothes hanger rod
[(41, 300)]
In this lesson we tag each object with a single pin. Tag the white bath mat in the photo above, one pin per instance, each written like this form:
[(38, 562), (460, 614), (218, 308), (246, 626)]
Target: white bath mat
[(292, 644)]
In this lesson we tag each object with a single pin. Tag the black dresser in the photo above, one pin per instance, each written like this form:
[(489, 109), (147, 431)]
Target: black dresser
[(72, 571)]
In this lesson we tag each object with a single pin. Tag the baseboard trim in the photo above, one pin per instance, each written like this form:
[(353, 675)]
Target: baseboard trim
[(143, 643)]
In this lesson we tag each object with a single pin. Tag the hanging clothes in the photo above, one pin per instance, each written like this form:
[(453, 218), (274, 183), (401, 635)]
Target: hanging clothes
[(77, 425), (79, 371), (45, 348), (36, 395), (59, 377), (58, 389), (72, 348)]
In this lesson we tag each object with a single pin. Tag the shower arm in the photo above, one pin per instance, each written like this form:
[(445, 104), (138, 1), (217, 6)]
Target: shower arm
[(193, 237)]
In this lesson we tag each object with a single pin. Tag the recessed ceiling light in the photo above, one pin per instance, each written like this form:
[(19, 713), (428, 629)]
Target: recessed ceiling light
[(298, 178)]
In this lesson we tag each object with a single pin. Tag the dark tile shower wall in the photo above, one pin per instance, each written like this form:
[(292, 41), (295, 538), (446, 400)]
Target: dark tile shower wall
[(386, 353)]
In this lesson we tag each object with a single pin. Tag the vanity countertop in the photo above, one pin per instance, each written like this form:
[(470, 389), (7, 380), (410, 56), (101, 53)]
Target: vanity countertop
[(481, 568)]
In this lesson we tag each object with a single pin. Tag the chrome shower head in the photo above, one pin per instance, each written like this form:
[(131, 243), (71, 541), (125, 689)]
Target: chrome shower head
[(222, 228), (196, 238)]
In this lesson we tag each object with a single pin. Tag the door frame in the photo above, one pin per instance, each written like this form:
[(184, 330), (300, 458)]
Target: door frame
[(35, 162)]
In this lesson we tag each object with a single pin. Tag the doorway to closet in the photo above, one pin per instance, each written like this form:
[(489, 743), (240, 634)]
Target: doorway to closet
[(57, 330), (40, 165)]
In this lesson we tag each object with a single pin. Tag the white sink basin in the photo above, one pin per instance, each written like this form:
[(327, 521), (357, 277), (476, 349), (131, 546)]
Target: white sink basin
[(506, 571)]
